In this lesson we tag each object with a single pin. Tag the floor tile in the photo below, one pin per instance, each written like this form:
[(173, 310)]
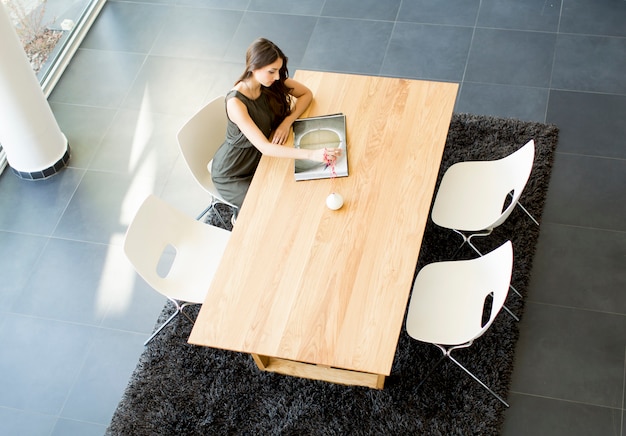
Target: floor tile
[(105, 203), (198, 33), (158, 2), (524, 103), (303, 7), (170, 85), (452, 12), (570, 354), (183, 192), (68, 427), (84, 128), (136, 138), (19, 253), (102, 380), (404, 58), (67, 283), (36, 206), (584, 191), (125, 26), (590, 63), (580, 267), (278, 28), (362, 9), (224, 79), (97, 78), (235, 5), (510, 57), (594, 17), (537, 15), (20, 422), (590, 124), (343, 45), (39, 362), (544, 416)]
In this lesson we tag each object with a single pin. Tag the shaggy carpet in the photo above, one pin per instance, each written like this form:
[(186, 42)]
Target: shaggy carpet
[(180, 389)]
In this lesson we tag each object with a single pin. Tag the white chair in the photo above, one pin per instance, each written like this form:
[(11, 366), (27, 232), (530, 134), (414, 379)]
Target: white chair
[(449, 299), (198, 141), (158, 231), (477, 196)]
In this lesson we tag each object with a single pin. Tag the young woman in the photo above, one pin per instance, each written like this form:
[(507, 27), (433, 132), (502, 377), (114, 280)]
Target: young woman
[(260, 110)]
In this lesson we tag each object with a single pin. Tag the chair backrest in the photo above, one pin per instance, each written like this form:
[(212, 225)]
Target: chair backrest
[(200, 137), (197, 249), (482, 199), (449, 298), (515, 170)]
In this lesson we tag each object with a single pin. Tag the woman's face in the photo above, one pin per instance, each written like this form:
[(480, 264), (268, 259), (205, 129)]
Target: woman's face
[(268, 74)]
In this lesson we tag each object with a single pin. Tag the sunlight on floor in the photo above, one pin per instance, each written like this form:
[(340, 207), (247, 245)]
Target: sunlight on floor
[(114, 294)]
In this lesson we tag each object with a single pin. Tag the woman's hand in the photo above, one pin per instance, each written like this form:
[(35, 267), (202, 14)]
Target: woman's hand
[(326, 155), (282, 132)]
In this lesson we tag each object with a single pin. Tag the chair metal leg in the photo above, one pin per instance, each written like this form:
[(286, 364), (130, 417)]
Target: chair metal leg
[(219, 215), (430, 371), (468, 240), (510, 313), (161, 327), (209, 207), (527, 213), (204, 212), (524, 209), (456, 252), (477, 379), (515, 290), (444, 353), (184, 314), (447, 353), (179, 309)]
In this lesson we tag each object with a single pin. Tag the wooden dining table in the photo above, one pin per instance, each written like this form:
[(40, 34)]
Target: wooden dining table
[(320, 293)]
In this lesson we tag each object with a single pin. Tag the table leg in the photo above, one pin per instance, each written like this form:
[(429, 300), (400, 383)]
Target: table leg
[(319, 372)]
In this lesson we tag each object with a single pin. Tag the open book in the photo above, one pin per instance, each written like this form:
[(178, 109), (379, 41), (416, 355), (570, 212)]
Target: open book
[(326, 131)]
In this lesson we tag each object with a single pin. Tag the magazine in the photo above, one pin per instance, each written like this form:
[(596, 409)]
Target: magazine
[(326, 131)]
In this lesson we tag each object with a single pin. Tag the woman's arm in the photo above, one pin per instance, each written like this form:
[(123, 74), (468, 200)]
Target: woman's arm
[(303, 96), (238, 113)]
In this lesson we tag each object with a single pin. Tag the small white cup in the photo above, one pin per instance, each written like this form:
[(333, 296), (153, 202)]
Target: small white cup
[(334, 201)]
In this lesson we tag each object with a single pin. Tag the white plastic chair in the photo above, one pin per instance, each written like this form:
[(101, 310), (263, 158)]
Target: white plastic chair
[(159, 230), (198, 141), (449, 299), (477, 196)]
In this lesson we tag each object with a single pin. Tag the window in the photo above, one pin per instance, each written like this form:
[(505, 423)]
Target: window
[(51, 31)]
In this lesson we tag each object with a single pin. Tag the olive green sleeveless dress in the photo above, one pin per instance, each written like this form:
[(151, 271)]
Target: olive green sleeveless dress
[(237, 159)]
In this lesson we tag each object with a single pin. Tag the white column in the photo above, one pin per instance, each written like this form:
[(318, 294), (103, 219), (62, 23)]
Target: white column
[(35, 146)]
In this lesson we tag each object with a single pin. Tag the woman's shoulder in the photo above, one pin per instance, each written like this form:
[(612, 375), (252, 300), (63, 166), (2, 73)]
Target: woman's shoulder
[(246, 100), (234, 92)]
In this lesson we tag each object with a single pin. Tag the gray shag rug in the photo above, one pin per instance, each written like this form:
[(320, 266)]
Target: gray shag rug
[(180, 389)]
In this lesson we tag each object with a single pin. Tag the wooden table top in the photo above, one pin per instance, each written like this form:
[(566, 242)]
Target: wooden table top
[(301, 282)]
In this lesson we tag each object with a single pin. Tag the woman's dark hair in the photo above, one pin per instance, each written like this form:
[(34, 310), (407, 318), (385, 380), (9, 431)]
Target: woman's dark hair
[(263, 52)]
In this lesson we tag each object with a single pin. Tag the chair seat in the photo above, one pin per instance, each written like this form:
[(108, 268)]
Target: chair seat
[(175, 254), (448, 297), (474, 196)]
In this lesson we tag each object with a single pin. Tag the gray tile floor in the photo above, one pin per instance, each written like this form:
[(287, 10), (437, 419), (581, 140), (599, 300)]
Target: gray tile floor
[(73, 315)]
